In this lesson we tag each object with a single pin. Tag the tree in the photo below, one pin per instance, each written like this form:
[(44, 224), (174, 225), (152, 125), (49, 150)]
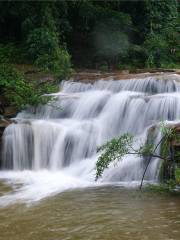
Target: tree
[(161, 41), (16, 91), (115, 149), (121, 33)]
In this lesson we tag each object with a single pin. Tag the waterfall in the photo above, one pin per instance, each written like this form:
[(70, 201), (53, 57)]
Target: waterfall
[(60, 139)]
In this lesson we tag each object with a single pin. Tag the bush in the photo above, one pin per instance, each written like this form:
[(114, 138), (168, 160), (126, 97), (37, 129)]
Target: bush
[(177, 175), (41, 41), (17, 92), (136, 56), (59, 63), (156, 50), (161, 50), (10, 53), (45, 52)]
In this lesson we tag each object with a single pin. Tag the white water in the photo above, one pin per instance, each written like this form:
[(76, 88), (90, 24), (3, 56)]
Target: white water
[(54, 149)]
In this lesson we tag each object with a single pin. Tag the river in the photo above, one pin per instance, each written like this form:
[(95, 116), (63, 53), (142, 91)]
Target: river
[(47, 181), (103, 213)]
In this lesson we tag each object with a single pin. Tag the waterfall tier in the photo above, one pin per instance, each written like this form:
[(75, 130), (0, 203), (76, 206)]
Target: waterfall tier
[(63, 136)]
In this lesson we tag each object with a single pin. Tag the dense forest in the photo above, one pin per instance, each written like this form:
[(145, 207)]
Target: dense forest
[(95, 33), (56, 36)]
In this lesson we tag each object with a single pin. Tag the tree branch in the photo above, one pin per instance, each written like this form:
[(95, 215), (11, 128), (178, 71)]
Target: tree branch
[(149, 160)]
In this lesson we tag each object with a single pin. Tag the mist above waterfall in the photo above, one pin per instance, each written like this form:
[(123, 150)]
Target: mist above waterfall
[(54, 149)]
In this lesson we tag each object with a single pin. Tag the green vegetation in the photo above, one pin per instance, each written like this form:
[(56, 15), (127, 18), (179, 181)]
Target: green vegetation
[(177, 175), (120, 34), (10, 53), (111, 151), (114, 150), (54, 35), (162, 40), (165, 188), (19, 93), (46, 53)]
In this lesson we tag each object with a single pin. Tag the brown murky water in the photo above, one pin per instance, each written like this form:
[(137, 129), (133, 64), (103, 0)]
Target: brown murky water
[(94, 214)]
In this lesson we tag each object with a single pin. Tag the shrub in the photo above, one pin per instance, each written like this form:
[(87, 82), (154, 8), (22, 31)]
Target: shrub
[(161, 50), (45, 52), (10, 53), (177, 175), (17, 92), (58, 63), (41, 41), (156, 50)]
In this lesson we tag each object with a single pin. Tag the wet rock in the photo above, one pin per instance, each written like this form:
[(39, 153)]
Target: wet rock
[(4, 122), (10, 112), (90, 76), (46, 79)]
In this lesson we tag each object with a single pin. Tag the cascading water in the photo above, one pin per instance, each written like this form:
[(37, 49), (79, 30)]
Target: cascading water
[(54, 147)]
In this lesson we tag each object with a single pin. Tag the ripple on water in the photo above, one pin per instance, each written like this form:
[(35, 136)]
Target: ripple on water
[(94, 213)]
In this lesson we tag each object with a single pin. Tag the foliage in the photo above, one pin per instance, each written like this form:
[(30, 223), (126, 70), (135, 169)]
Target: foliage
[(43, 48), (177, 175), (115, 149), (17, 91), (118, 147), (111, 151), (41, 41), (120, 33), (167, 131), (159, 51), (161, 42), (138, 56), (165, 188), (146, 150), (156, 50), (10, 53), (171, 184), (59, 63), (160, 188)]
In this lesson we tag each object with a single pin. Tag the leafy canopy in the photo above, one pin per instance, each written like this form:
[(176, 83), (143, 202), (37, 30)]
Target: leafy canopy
[(19, 93)]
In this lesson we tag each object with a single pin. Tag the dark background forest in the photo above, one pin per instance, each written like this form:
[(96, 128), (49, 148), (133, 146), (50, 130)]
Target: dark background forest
[(58, 36), (95, 34)]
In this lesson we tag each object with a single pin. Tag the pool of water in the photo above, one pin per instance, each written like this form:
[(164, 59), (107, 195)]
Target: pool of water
[(101, 213)]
